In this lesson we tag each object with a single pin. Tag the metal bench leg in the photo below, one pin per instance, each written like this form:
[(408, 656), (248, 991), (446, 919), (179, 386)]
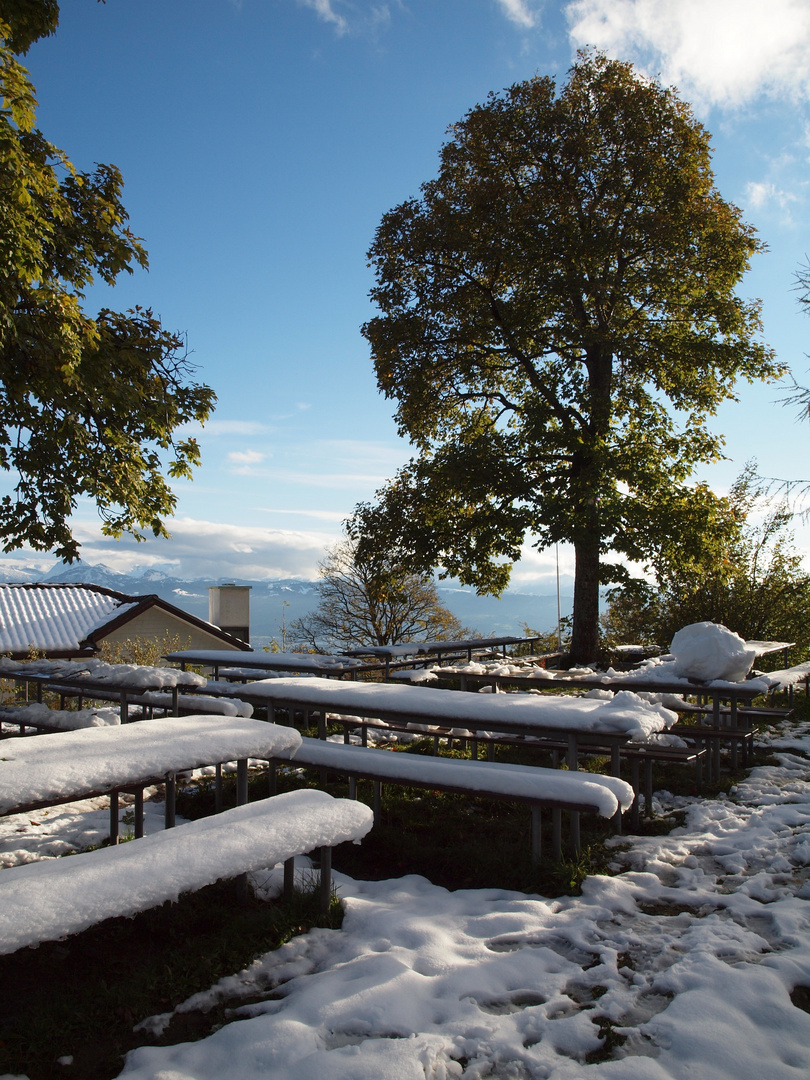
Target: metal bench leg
[(138, 813), (537, 836), (114, 817), (171, 789), (556, 829), (242, 890), (648, 789), (634, 781), (289, 879), (573, 832), (241, 782), (218, 789), (272, 776), (326, 879), (352, 787), (377, 799), (616, 770)]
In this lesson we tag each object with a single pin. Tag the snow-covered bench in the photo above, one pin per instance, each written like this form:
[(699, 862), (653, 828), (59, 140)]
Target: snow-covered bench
[(552, 789), (615, 719), (73, 765), (50, 899), (41, 718), (638, 754)]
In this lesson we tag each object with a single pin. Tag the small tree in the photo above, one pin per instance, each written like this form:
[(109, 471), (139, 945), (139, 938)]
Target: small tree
[(558, 318), (748, 577), (365, 602)]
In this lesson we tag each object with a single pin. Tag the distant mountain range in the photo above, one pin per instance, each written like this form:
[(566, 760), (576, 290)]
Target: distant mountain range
[(278, 603)]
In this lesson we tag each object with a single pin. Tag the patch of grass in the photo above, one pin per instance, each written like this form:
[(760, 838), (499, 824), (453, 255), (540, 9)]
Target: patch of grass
[(611, 1041), (82, 997)]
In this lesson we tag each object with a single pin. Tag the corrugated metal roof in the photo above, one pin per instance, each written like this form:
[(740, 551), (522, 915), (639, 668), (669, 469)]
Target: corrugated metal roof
[(54, 617)]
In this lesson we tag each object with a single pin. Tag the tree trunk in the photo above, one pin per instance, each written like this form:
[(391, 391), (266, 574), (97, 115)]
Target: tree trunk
[(585, 631)]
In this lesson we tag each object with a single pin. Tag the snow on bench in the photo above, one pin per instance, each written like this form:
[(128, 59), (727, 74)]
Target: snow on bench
[(74, 765), (94, 761), (541, 788), (39, 716), (788, 678), (48, 900), (624, 715), (206, 702)]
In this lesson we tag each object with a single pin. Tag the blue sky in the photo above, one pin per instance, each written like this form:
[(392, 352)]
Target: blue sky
[(261, 141)]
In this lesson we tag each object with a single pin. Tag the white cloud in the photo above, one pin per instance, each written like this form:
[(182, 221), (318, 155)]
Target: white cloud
[(226, 427), (207, 549), (334, 481), (325, 11), (245, 457), (519, 12), (537, 570), (321, 515), (718, 52), (243, 461), (762, 195)]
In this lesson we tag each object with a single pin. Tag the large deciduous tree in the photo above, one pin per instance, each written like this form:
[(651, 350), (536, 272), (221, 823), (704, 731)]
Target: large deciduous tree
[(558, 319), (89, 407)]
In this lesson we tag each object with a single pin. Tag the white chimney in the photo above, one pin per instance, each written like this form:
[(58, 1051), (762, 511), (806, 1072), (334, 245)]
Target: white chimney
[(229, 609)]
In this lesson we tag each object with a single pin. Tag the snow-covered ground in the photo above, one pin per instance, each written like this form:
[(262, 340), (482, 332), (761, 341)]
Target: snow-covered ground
[(683, 961)]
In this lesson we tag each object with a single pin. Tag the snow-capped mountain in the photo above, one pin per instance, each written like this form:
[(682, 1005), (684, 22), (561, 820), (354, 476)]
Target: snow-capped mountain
[(276, 604)]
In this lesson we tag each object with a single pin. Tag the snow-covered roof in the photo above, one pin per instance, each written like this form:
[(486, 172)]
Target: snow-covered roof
[(67, 618), (55, 618)]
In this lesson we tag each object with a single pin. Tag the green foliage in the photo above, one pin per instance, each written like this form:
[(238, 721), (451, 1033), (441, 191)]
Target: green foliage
[(28, 21), (567, 279), (746, 575), (374, 600), (88, 406), (142, 650)]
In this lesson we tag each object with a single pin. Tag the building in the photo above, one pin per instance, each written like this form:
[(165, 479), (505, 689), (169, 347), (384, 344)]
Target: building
[(66, 620)]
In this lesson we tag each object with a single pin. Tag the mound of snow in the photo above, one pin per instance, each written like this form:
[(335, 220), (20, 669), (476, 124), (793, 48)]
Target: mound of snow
[(705, 651)]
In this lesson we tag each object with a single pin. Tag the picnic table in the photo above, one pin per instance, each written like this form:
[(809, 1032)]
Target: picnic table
[(724, 723), (580, 722), (250, 665), (67, 766), (554, 789), (51, 898), (408, 651), (121, 683), (581, 719)]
